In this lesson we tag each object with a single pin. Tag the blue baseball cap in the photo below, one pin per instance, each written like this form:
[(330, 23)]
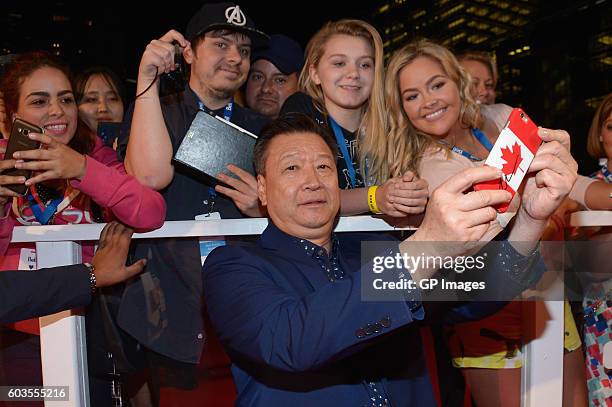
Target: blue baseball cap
[(283, 52)]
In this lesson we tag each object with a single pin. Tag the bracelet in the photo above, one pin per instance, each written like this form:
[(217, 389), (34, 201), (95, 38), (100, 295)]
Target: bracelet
[(372, 199), (92, 277)]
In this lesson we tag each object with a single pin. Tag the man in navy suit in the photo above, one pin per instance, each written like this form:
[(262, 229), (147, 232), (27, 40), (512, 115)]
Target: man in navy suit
[(289, 309), (27, 294)]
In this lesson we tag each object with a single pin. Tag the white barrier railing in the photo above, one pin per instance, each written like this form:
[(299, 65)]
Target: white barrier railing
[(63, 347)]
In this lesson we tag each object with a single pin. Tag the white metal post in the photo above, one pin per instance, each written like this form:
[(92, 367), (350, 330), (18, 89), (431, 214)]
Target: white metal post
[(62, 336), (543, 324)]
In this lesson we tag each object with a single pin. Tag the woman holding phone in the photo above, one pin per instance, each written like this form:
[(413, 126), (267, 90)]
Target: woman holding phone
[(438, 129), (75, 179), (100, 97)]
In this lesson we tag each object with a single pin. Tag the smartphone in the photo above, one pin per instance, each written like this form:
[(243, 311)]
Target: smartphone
[(109, 132), (19, 141), (174, 81), (512, 153)]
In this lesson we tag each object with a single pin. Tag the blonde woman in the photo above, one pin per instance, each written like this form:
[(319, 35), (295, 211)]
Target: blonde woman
[(594, 260), (341, 87), (599, 141), (483, 72), (437, 129)]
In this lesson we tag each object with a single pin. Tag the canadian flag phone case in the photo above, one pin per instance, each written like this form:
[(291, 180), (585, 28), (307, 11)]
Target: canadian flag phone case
[(512, 153)]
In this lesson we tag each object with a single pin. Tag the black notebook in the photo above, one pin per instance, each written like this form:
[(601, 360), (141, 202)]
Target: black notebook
[(210, 144)]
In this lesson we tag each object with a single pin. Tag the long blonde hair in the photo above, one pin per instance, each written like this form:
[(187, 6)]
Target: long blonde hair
[(406, 145), (371, 132)]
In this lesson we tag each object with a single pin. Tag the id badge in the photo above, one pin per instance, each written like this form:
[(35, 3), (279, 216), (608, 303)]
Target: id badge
[(27, 260), (209, 243)]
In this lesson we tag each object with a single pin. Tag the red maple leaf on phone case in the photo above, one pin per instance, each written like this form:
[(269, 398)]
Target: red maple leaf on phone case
[(512, 157)]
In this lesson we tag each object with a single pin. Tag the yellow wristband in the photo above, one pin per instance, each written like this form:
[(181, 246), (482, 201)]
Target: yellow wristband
[(372, 199)]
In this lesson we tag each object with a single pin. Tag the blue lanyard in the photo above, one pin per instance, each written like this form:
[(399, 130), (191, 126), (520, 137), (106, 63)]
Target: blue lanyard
[(344, 151), (606, 173), (227, 110), (481, 138), (43, 217), (227, 115)]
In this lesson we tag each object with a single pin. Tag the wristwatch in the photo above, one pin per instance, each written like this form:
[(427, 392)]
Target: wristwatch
[(92, 277)]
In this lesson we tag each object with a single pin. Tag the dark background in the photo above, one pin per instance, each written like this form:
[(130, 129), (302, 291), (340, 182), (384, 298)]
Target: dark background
[(560, 75)]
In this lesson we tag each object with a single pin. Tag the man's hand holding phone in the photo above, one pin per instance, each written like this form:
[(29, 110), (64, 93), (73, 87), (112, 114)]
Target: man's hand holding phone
[(551, 175), (538, 161), (159, 58)]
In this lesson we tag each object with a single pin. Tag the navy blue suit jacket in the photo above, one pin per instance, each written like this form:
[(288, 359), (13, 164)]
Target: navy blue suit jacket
[(27, 294), (296, 339)]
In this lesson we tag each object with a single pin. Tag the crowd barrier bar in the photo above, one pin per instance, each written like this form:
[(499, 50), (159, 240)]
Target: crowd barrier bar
[(63, 348)]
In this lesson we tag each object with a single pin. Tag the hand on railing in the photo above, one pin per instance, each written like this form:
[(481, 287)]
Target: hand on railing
[(109, 260)]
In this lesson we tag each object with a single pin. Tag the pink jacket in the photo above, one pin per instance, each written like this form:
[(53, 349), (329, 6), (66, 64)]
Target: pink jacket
[(105, 182)]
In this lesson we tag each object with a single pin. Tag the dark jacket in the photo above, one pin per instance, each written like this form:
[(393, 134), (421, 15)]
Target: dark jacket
[(297, 339), (27, 294)]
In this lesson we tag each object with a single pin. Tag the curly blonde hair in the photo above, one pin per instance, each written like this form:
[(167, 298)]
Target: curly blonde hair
[(373, 124), (406, 144)]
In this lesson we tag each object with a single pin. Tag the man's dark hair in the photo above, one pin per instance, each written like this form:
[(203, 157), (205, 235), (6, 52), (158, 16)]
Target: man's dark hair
[(291, 123)]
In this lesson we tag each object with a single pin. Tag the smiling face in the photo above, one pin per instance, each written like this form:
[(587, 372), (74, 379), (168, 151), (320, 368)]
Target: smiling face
[(268, 88), (300, 186), (100, 103), (219, 64), (46, 99), (482, 81), (345, 72), (429, 97)]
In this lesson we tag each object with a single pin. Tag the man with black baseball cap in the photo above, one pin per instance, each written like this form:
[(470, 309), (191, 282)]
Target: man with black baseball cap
[(162, 310), (224, 16), (274, 75)]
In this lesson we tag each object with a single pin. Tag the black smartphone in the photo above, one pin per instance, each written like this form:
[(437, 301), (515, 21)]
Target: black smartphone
[(109, 132), (174, 81), (19, 141)]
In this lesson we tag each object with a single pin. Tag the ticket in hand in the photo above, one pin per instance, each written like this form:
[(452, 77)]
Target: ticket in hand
[(512, 153)]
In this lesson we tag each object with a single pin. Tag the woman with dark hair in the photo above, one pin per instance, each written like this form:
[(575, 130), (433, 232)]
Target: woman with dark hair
[(76, 178), (100, 97)]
